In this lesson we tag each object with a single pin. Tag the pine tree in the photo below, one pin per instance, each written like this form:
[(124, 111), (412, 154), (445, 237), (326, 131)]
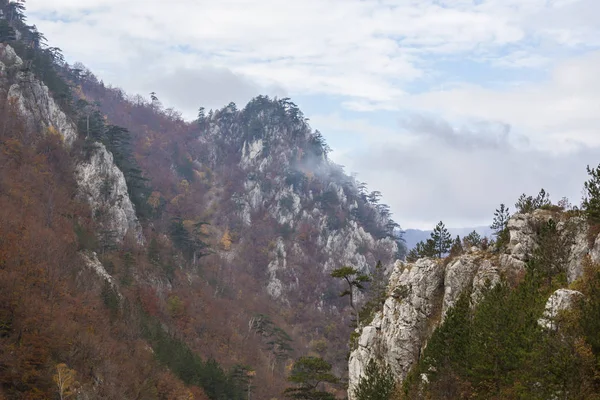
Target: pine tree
[(201, 115), (551, 256), (413, 255), (591, 201), (473, 239), (526, 204), (501, 217), (355, 280), (422, 250), (376, 384), (448, 348), (442, 241), (457, 248), (428, 248), (376, 294), (7, 33), (308, 373), (378, 282), (500, 225)]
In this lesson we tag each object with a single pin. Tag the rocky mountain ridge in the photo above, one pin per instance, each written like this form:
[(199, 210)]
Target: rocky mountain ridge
[(284, 172), (420, 294)]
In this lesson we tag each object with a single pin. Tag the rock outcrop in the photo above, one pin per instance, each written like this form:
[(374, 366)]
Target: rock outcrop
[(574, 233), (420, 294), (561, 300), (100, 181), (33, 98), (103, 184), (91, 261), (396, 334)]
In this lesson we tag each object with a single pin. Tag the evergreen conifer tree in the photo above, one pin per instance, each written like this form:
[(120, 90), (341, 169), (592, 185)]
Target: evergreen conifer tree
[(472, 239), (441, 239), (591, 201), (457, 247), (308, 373), (355, 280), (500, 225), (376, 384)]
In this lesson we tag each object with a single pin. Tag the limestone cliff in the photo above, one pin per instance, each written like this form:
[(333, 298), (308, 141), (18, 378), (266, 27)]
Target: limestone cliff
[(420, 293), (321, 218), (32, 97), (102, 183)]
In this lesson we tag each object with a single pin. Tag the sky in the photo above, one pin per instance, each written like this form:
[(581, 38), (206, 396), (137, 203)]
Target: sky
[(448, 107)]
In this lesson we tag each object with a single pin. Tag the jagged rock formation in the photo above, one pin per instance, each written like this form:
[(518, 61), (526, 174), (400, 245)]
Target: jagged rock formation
[(395, 334), (420, 294), (560, 300), (522, 243), (32, 97), (103, 185), (100, 180), (285, 176)]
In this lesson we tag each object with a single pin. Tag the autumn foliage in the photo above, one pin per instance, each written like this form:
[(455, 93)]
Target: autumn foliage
[(185, 313)]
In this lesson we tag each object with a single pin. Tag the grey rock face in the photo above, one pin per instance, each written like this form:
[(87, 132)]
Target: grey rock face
[(410, 314), (560, 300), (397, 333), (33, 98), (104, 187), (523, 240), (458, 276), (579, 249), (92, 262), (347, 245)]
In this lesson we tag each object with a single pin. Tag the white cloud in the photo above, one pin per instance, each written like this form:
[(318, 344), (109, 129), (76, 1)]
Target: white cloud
[(441, 172), (364, 50), (562, 111)]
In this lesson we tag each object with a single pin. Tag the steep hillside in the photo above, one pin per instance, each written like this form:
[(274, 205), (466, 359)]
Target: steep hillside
[(278, 213), (151, 258)]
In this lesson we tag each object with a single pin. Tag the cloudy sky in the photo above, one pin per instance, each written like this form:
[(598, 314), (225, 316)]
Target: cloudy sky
[(448, 107)]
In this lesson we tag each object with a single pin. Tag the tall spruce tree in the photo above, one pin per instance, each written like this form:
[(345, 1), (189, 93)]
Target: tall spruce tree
[(442, 241), (500, 225)]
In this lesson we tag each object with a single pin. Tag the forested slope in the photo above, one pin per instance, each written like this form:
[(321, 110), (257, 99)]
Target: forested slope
[(144, 256)]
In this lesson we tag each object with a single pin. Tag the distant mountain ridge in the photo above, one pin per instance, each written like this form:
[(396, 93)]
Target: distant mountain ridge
[(414, 236)]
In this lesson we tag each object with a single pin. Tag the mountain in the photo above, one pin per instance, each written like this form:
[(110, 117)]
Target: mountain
[(147, 257), (144, 256), (414, 236)]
